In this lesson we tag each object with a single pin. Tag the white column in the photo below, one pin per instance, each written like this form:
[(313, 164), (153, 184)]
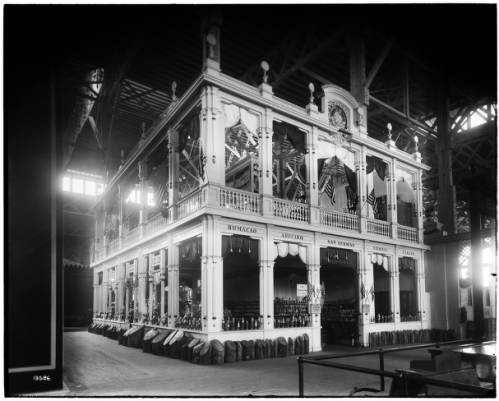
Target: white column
[(421, 290), (268, 306), (395, 289), (360, 170), (152, 292), (143, 196), (418, 188), (212, 136), (391, 199), (265, 133), (173, 168), (368, 280), (173, 283), (142, 308), (163, 277), (313, 179)]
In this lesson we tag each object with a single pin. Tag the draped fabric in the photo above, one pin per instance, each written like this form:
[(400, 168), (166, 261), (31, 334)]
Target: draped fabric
[(328, 150), (375, 163), (283, 249), (234, 115), (351, 178), (240, 245), (380, 259), (407, 264)]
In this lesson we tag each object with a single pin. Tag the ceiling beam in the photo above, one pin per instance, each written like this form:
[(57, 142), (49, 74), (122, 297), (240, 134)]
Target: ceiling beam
[(379, 62)]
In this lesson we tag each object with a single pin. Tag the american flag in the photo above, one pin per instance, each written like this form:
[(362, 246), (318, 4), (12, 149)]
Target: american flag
[(330, 192), (371, 198)]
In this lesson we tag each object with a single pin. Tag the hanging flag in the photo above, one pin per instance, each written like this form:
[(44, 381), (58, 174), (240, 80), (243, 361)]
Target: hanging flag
[(202, 162), (371, 198), (330, 192)]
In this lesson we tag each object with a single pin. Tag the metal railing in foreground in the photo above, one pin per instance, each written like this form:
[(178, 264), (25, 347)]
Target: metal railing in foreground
[(404, 376)]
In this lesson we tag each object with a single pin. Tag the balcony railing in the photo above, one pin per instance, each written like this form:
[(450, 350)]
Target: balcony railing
[(290, 210), (344, 221), (225, 198), (379, 227), (155, 223), (113, 246), (190, 204), (131, 236), (407, 233), (242, 201)]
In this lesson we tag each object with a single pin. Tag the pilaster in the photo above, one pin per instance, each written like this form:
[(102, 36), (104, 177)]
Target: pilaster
[(392, 198), (360, 170), (395, 291), (142, 275), (267, 267), (265, 134), (173, 166), (212, 136), (163, 277), (173, 283), (143, 196)]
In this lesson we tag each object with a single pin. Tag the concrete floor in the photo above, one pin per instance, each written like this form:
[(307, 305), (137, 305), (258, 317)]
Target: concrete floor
[(97, 366)]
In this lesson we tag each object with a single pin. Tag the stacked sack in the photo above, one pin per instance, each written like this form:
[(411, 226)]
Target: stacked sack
[(178, 344)]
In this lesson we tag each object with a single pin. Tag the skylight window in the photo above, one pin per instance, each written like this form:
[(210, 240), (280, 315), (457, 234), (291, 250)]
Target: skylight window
[(81, 183)]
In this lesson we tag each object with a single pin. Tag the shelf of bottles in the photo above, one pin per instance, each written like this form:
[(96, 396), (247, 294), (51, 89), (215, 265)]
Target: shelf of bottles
[(382, 318), (190, 320), (339, 312), (291, 313), (411, 317), (242, 316)]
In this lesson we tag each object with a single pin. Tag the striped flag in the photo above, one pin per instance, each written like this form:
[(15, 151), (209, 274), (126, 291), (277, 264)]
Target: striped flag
[(330, 192), (371, 198)]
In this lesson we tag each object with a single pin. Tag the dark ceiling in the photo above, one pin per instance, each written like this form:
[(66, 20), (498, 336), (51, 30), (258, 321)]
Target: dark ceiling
[(144, 48)]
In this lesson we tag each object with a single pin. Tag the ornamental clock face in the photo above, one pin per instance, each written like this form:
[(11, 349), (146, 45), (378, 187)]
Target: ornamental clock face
[(337, 116)]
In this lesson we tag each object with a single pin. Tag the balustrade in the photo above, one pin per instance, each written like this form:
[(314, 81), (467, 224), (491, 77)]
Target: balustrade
[(379, 227), (290, 210), (229, 198), (344, 221), (190, 204), (407, 233), (155, 223)]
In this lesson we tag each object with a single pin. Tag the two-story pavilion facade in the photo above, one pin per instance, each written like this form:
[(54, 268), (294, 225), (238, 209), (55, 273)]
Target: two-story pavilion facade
[(242, 216)]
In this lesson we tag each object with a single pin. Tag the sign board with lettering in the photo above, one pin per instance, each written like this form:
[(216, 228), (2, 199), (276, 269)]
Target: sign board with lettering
[(414, 253), (314, 309), (337, 242), (380, 248), (241, 228), (293, 236), (301, 290)]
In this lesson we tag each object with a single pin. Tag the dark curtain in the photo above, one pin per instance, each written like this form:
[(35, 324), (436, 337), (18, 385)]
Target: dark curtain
[(331, 256), (375, 163), (351, 178), (190, 251)]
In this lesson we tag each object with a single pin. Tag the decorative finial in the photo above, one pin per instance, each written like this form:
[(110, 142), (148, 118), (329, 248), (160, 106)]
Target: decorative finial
[(174, 90), (416, 141), (143, 134), (311, 88), (265, 67), (389, 128), (212, 41)]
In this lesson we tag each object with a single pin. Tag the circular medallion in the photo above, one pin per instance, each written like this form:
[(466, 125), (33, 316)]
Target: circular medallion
[(337, 116)]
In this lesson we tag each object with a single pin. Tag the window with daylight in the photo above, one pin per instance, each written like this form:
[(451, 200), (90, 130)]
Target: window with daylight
[(473, 118), (289, 173), (377, 187), (81, 183), (130, 192), (242, 148)]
